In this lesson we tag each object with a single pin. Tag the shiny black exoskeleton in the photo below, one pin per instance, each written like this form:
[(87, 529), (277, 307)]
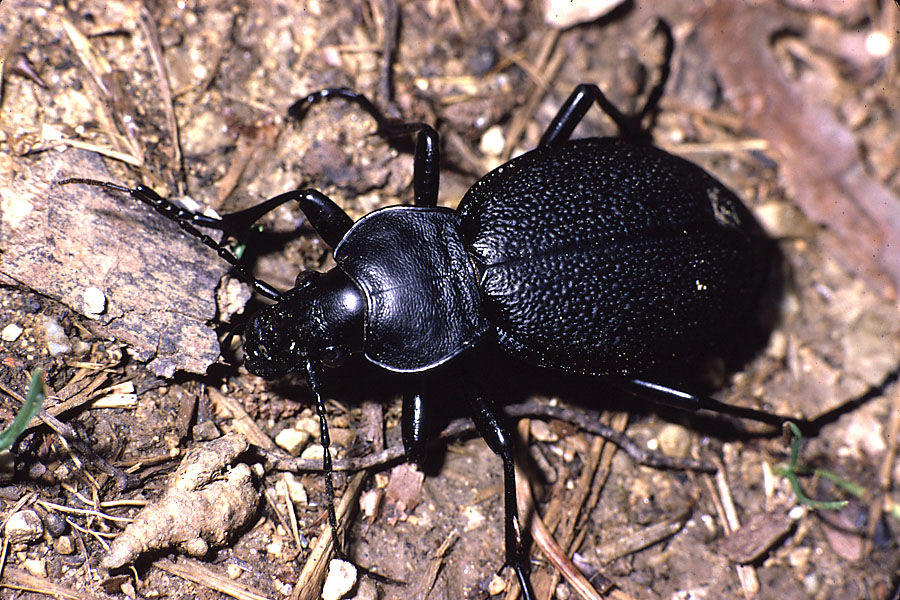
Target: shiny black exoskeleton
[(600, 256), (595, 255)]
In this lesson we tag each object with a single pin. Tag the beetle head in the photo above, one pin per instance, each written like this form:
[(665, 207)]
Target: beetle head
[(320, 320)]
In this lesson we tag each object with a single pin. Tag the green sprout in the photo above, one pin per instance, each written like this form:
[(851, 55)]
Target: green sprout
[(239, 247), (36, 394), (792, 471)]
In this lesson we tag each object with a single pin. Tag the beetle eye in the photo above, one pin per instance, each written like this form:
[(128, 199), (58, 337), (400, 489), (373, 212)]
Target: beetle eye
[(304, 276), (333, 356)]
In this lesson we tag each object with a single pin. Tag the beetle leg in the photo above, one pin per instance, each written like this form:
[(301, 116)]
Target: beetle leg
[(187, 220), (652, 105), (427, 154), (584, 95), (662, 394), (488, 421), (413, 424), (326, 217), (574, 109), (427, 166)]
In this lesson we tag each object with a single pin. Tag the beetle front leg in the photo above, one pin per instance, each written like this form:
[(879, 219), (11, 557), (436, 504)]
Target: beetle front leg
[(232, 224), (584, 96), (573, 110), (327, 218), (489, 422), (413, 421), (427, 162)]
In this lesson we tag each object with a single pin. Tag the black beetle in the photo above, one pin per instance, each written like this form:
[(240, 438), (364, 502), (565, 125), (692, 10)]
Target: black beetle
[(599, 256)]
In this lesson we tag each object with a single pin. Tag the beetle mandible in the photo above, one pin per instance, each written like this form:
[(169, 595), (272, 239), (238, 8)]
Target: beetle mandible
[(599, 256)]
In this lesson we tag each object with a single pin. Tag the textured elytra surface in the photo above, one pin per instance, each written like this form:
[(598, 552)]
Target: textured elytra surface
[(605, 257)]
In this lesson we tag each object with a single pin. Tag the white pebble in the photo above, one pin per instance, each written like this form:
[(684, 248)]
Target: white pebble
[(541, 431), (562, 14), (878, 44), (340, 580), (292, 441), (11, 333), (493, 142), (291, 487), (36, 566), (57, 341), (94, 302)]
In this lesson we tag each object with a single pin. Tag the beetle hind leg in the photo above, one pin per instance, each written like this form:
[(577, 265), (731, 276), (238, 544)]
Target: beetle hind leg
[(573, 110), (668, 396)]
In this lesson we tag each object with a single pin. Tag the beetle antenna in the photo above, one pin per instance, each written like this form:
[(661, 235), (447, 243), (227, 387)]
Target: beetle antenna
[(312, 378), (187, 220)]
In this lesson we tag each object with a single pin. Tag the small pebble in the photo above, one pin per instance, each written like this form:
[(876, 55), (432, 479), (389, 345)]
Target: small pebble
[(11, 333), (340, 580), (878, 44), (292, 440), (295, 490), (474, 518), (64, 545), (24, 527), (493, 142), (233, 571), (55, 524), (798, 558), (35, 566), (94, 302), (275, 548), (308, 424), (562, 14), (812, 584), (196, 547), (497, 586), (675, 441), (798, 512), (369, 502), (313, 452), (541, 431), (57, 341)]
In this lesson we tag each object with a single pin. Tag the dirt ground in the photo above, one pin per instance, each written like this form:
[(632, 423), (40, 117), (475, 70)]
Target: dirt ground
[(793, 105)]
